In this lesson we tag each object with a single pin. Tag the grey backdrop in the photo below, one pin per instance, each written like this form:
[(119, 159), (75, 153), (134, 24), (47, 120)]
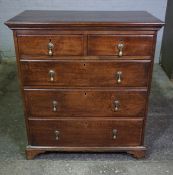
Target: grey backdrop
[(9, 8)]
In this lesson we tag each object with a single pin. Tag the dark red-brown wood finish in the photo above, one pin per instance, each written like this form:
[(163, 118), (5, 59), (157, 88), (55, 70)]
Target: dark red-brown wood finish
[(85, 79), (86, 133), (86, 102), (86, 73)]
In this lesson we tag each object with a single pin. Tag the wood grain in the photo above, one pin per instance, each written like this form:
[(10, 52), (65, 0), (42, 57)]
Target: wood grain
[(134, 45), (86, 73), (85, 132), (64, 45), (86, 102)]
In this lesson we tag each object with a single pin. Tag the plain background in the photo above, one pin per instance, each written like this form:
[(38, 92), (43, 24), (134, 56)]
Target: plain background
[(10, 8)]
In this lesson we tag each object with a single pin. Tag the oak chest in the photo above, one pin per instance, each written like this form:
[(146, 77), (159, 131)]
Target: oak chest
[(85, 79)]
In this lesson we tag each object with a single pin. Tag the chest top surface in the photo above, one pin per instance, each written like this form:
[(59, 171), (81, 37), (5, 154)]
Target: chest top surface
[(45, 18)]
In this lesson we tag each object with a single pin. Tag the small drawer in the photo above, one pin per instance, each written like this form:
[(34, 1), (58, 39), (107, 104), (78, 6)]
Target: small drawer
[(120, 45), (53, 45), (85, 102), (86, 73), (81, 133)]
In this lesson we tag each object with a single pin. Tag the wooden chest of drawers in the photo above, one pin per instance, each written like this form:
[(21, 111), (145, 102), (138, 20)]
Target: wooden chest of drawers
[(85, 79)]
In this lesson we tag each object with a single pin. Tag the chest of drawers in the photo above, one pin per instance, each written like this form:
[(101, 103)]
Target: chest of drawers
[(85, 79)]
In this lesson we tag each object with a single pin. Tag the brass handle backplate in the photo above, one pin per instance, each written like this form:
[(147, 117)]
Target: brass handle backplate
[(56, 134), (117, 105), (52, 75), (120, 49), (114, 134), (54, 105), (119, 77), (50, 48)]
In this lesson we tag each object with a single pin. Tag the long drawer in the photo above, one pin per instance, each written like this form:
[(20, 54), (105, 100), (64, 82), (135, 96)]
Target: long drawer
[(81, 133), (85, 102), (95, 73), (120, 45)]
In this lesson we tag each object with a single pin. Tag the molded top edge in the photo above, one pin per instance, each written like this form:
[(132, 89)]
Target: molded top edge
[(45, 18)]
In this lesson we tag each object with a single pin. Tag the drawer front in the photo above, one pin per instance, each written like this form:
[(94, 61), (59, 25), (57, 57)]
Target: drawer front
[(120, 45), (80, 133), (58, 45), (58, 103), (85, 73)]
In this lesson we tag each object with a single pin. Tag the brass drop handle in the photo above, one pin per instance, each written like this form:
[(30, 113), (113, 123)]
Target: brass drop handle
[(56, 134), (50, 48), (119, 77), (120, 49), (117, 105), (114, 133), (54, 105), (52, 75)]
